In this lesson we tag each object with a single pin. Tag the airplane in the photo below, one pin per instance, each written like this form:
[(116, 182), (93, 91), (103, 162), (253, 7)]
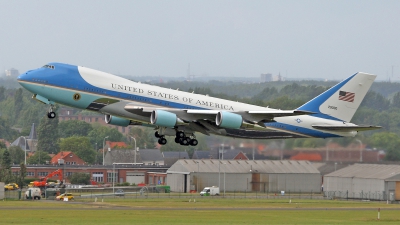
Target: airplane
[(182, 114)]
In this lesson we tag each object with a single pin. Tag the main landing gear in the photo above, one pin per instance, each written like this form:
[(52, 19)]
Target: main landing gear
[(183, 140), (180, 138), (51, 114), (161, 138)]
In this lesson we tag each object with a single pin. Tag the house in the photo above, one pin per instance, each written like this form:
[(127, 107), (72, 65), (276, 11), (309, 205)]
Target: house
[(307, 156), (27, 143), (127, 156), (116, 144), (122, 156), (151, 157), (69, 159), (204, 155)]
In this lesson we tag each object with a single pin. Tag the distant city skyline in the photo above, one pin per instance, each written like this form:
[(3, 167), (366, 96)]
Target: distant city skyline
[(232, 38)]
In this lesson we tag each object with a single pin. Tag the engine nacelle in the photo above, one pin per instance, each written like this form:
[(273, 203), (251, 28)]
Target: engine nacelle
[(164, 119), (229, 120), (113, 120)]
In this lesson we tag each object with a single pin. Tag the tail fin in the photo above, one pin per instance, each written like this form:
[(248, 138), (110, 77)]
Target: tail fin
[(342, 100)]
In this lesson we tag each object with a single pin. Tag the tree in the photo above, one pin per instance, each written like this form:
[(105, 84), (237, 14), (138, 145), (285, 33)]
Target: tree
[(396, 100), (16, 154), (284, 102), (81, 146), (48, 135), (40, 157), (2, 93), (71, 128), (5, 172), (99, 132), (18, 103), (6, 132), (144, 137), (388, 141), (376, 101), (79, 178), (22, 174), (2, 145)]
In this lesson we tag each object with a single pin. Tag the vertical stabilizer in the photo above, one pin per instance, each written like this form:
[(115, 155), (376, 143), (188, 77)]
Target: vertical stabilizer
[(342, 100)]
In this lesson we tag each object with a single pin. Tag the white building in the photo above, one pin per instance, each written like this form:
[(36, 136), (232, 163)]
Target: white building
[(364, 181), (12, 73), (244, 175)]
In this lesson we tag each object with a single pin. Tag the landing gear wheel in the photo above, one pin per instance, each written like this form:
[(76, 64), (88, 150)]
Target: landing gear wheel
[(193, 142), (157, 134), (177, 140), (51, 115), (180, 134), (183, 141), (162, 141), (188, 140)]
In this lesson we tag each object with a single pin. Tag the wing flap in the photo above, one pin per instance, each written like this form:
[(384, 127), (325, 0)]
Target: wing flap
[(280, 113)]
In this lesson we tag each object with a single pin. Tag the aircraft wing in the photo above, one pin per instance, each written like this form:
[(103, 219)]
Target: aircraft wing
[(346, 128), (195, 114)]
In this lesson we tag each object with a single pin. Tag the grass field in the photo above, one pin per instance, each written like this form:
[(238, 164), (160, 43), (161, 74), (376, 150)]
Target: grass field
[(203, 211)]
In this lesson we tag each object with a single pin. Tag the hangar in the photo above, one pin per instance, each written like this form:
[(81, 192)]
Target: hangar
[(244, 175), (364, 181)]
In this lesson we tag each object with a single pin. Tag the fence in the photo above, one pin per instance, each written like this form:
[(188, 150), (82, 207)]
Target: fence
[(155, 192), (368, 195)]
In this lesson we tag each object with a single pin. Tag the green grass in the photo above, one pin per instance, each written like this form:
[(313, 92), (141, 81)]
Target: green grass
[(203, 211)]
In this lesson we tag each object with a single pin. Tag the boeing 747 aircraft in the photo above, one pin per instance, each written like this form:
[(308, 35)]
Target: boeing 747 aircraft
[(182, 114)]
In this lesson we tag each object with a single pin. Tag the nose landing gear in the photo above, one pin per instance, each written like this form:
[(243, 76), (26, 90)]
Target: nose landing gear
[(51, 114)]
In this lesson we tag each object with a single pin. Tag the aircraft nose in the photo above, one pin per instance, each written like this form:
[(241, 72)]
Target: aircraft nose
[(24, 76)]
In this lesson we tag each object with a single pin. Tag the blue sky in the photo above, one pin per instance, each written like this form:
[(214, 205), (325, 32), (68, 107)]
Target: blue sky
[(313, 39)]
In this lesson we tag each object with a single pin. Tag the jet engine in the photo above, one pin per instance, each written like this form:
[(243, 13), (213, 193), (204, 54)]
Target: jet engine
[(164, 119), (113, 120), (229, 120)]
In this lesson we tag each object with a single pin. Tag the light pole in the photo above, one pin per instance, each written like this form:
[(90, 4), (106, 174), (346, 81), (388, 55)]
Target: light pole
[(361, 157), (223, 149), (198, 171), (224, 177), (104, 140), (113, 177), (219, 173), (253, 148), (135, 148), (25, 149)]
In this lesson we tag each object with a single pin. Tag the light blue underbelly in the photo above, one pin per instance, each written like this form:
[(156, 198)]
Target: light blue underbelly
[(63, 96)]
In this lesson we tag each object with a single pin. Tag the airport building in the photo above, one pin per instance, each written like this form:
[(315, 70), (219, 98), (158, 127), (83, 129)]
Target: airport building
[(244, 176), (364, 181)]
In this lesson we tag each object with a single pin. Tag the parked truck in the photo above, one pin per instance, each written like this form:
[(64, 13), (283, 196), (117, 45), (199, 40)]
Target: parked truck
[(207, 191), (33, 193)]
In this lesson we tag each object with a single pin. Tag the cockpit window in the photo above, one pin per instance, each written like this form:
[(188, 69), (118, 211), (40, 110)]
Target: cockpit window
[(49, 66)]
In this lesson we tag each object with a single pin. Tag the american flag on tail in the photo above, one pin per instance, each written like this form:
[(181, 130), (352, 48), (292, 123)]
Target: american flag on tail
[(346, 96)]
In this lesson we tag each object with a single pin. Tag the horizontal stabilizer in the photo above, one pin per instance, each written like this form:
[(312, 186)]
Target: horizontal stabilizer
[(346, 128)]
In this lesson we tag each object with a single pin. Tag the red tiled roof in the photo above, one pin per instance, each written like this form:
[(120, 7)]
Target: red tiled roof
[(116, 144), (60, 155)]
